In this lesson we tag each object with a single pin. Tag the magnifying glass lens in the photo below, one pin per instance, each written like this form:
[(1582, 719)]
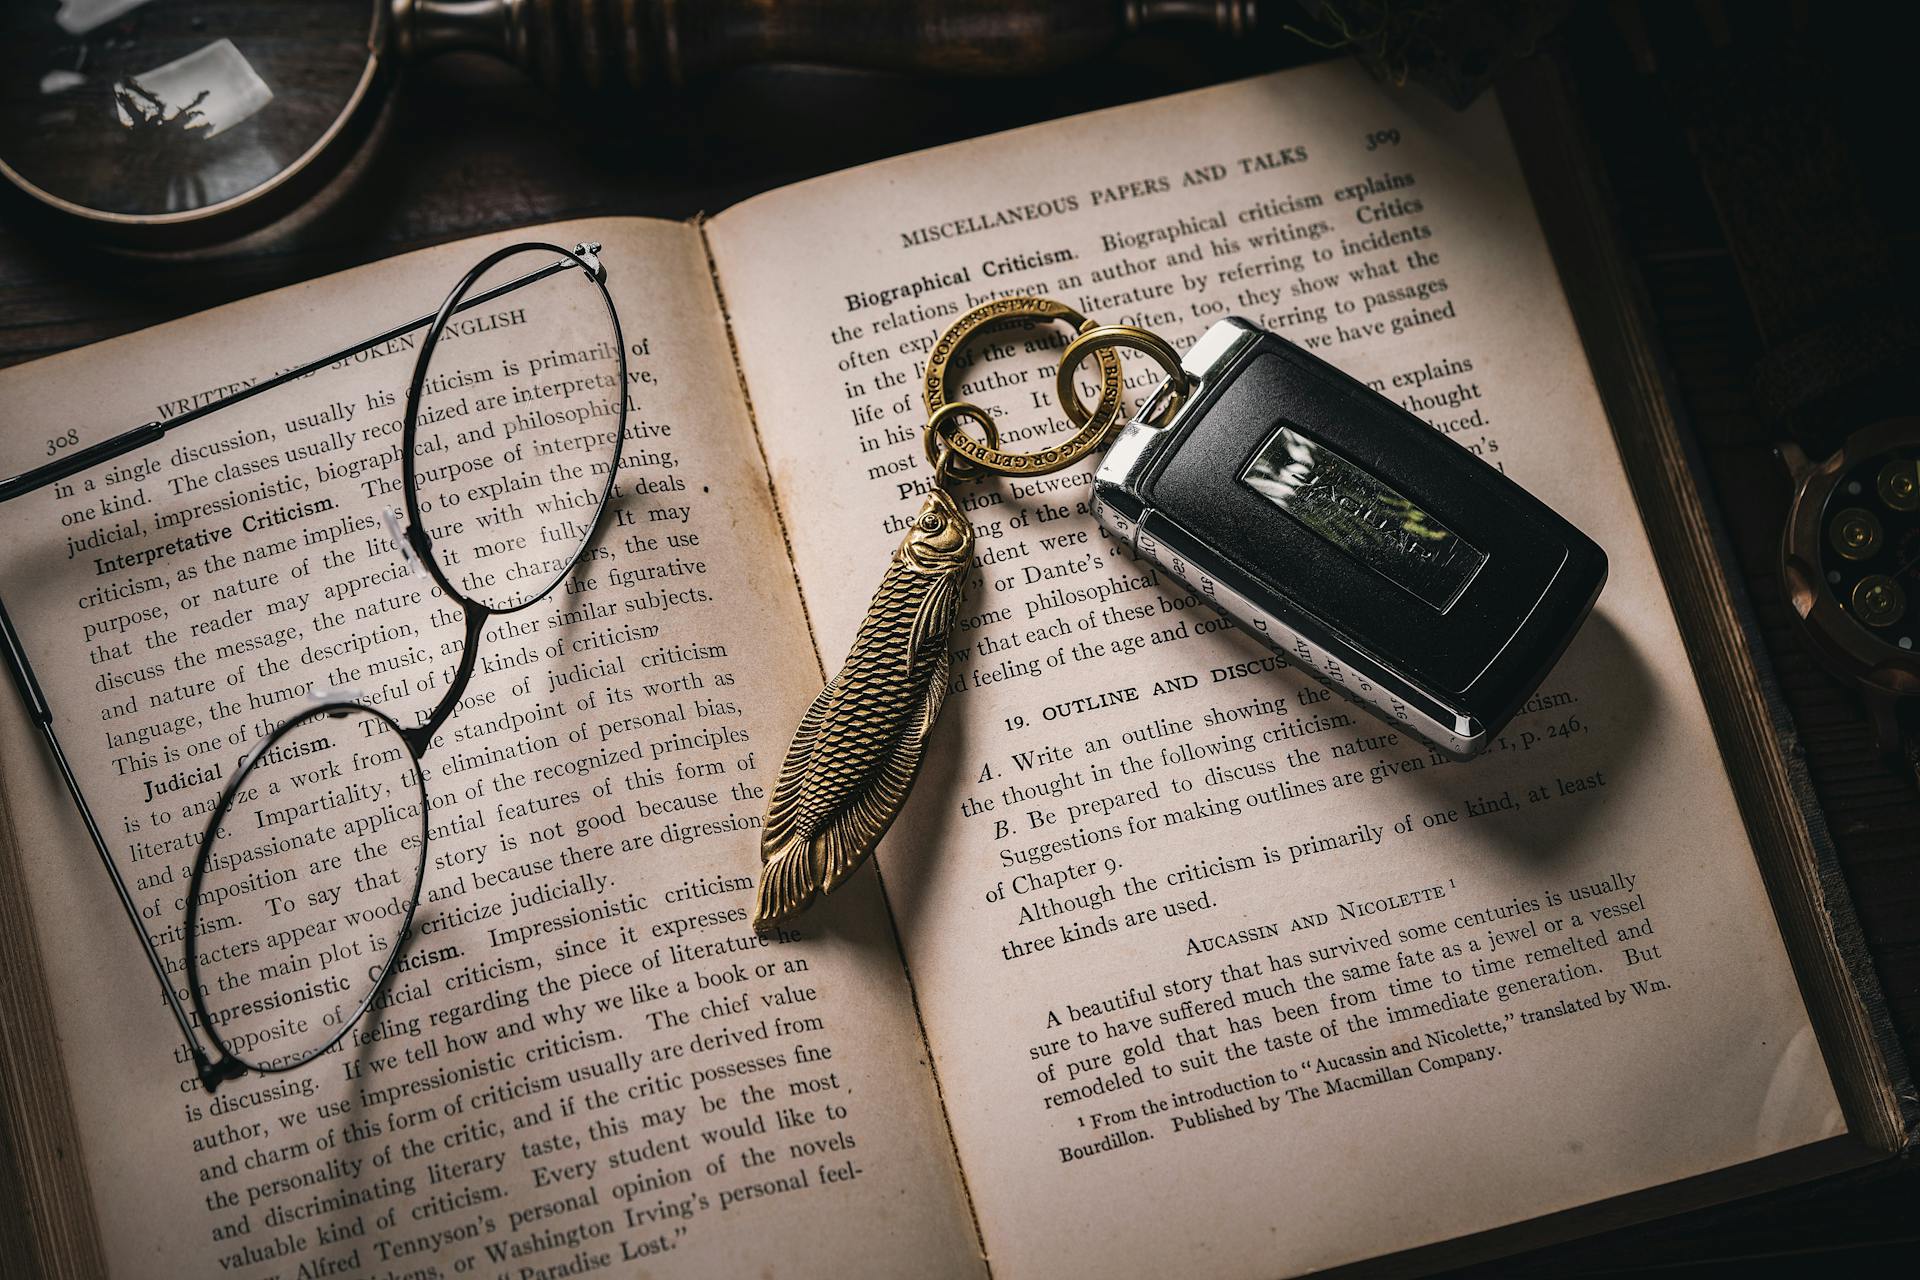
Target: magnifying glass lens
[(145, 108)]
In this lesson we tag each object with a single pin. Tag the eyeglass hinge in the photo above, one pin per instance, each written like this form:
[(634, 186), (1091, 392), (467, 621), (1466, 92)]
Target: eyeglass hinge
[(214, 1074)]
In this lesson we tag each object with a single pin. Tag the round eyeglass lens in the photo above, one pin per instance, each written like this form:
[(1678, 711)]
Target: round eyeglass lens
[(519, 430), (144, 108), (305, 884)]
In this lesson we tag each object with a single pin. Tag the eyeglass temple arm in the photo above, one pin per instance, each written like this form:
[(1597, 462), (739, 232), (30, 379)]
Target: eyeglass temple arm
[(74, 463), (142, 436), (211, 1073)]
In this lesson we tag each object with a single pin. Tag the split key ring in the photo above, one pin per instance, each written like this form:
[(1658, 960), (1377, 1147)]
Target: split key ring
[(955, 454)]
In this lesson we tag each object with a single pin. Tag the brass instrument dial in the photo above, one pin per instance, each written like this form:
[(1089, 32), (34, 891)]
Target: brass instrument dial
[(1870, 548)]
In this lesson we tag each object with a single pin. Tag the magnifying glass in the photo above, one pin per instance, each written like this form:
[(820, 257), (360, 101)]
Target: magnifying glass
[(163, 124), (175, 124)]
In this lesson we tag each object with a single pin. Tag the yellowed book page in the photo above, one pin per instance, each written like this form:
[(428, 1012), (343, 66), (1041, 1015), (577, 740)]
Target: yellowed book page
[(1222, 975), (587, 1063)]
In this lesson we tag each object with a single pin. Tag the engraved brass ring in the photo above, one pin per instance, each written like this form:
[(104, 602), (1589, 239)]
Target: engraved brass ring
[(1100, 342), (963, 456), (946, 462)]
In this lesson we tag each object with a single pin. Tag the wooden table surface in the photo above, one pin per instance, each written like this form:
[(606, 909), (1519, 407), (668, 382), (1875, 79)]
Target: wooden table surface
[(472, 147)]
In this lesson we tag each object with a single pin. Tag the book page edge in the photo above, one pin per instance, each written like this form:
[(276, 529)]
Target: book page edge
[(1810, 905)]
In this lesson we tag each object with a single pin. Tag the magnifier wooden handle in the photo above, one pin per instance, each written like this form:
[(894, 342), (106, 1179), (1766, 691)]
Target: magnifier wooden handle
[(655, 44)]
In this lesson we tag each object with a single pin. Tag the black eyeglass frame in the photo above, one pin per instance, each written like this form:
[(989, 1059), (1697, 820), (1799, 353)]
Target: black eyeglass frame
[(229, 1065)]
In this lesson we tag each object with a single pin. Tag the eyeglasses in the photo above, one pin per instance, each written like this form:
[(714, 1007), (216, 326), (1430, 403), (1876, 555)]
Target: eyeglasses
[(310, 869)]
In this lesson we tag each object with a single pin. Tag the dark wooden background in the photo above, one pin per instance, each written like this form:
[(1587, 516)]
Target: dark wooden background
[(470, 146)]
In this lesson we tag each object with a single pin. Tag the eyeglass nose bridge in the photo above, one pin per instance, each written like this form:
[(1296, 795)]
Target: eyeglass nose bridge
[(419, 738)]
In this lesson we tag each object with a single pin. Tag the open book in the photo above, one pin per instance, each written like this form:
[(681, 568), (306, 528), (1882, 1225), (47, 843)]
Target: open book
[(1175, 964)]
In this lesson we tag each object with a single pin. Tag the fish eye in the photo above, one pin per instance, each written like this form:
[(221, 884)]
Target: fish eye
[(930, 522)]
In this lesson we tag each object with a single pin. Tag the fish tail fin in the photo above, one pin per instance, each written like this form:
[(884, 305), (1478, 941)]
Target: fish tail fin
[(795, 869), (788, 883), (789, 876)]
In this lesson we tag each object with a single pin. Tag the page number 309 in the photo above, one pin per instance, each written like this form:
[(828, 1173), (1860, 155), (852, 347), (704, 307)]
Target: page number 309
[(1383, 138)]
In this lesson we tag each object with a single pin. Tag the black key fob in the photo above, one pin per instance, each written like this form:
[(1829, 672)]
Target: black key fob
[(1357, 541)]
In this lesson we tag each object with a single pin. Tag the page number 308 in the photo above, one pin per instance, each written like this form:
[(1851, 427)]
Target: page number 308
[(65, 440), (1383, 138)]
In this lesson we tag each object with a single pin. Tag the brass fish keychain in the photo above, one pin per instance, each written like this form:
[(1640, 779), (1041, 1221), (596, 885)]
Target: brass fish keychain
[(859, 746)]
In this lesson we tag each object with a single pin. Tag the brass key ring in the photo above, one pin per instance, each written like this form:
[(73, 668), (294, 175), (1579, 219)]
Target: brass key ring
[(1100, 341), (960, 456)]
